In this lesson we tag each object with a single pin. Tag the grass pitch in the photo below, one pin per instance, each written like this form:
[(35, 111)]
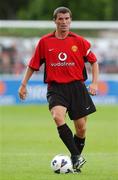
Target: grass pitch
[(29, 141)]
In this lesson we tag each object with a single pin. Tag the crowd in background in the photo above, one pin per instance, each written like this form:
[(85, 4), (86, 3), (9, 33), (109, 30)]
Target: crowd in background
[(13, 54), (16, 52)]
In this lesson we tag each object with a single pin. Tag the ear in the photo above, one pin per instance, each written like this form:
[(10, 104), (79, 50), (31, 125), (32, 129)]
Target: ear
[(54, 20)]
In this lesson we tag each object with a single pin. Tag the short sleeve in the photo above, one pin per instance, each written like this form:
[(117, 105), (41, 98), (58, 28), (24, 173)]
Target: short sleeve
[(86, 47), (88, 54), (36, 60)]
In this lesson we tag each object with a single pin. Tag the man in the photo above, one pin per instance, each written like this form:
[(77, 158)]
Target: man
[(64, 54)]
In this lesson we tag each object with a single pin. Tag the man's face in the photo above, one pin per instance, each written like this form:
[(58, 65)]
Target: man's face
[(63, 22)]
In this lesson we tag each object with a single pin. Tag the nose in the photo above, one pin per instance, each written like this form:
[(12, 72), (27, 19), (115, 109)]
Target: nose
[(64, 21)]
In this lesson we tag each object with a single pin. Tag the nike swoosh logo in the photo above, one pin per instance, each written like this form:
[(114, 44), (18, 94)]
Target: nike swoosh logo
[(87, 108), (51, 49)]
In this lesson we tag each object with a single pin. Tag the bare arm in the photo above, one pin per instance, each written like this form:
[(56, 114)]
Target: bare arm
[(93, 87), (22, 89)]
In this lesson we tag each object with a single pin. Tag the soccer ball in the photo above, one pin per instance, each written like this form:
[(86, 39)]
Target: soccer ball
[(61, 164)]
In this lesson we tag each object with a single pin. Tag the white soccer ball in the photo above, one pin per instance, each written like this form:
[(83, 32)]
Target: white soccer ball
[(61, 164)]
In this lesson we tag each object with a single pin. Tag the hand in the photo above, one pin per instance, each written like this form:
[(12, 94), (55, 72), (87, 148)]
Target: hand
[(22, 92), (93, 88)]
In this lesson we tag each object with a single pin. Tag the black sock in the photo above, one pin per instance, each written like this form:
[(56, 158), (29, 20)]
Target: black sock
[(67, 137), (80, 143)]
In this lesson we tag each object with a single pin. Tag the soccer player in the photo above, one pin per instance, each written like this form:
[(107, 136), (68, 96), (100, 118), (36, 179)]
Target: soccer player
[(64, 54)]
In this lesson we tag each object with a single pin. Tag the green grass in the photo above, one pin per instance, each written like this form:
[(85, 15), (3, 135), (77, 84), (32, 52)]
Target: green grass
[(29, 140)]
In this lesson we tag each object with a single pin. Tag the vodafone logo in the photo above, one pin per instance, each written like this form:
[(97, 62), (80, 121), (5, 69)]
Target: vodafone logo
[(62, 56)]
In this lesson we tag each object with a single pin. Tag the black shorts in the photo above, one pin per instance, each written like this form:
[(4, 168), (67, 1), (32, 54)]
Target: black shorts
[(74, 96)]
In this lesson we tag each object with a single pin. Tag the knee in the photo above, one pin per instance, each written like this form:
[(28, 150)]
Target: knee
[(80, 127), (58, 118), (81, 132), (58, 114)]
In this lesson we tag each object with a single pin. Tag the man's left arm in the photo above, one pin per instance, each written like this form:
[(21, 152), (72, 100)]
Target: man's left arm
[(93, 87)]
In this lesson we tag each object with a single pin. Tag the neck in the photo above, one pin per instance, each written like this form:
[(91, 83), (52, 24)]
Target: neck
[(61, 35)]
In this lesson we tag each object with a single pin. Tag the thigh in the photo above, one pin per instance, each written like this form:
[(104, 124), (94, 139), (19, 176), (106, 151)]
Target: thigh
[(81, 104), (57, 95)]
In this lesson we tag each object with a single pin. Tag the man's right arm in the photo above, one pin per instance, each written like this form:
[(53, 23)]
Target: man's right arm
[(22, 89)]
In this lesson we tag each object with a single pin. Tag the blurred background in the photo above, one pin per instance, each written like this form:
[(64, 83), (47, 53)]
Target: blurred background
[(23, 22)]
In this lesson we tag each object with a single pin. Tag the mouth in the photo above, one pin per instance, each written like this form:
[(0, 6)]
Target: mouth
[(63, 26)]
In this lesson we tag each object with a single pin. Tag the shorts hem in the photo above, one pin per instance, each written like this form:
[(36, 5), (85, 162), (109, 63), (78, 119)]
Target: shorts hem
[(51, 106), (80, 116)]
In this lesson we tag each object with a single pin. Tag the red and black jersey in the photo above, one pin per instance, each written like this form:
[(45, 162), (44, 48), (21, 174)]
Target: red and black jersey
[(64, 58)]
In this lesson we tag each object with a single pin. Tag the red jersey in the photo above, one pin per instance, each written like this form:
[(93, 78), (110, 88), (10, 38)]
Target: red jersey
[(64, 58)]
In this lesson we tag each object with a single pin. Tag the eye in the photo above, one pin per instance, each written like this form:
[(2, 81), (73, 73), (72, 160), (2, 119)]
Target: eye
[(60, 19), (67, 18)]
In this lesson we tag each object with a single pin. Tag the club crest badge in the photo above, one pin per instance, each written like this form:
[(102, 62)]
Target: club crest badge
[(74, 48)]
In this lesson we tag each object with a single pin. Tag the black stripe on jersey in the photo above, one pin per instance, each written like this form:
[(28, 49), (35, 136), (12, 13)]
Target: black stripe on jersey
[(84, 69)]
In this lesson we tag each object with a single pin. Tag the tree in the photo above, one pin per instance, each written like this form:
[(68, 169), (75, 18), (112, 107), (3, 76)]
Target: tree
[(114, 10), (8, 9), (43, 9), (81, 9)]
